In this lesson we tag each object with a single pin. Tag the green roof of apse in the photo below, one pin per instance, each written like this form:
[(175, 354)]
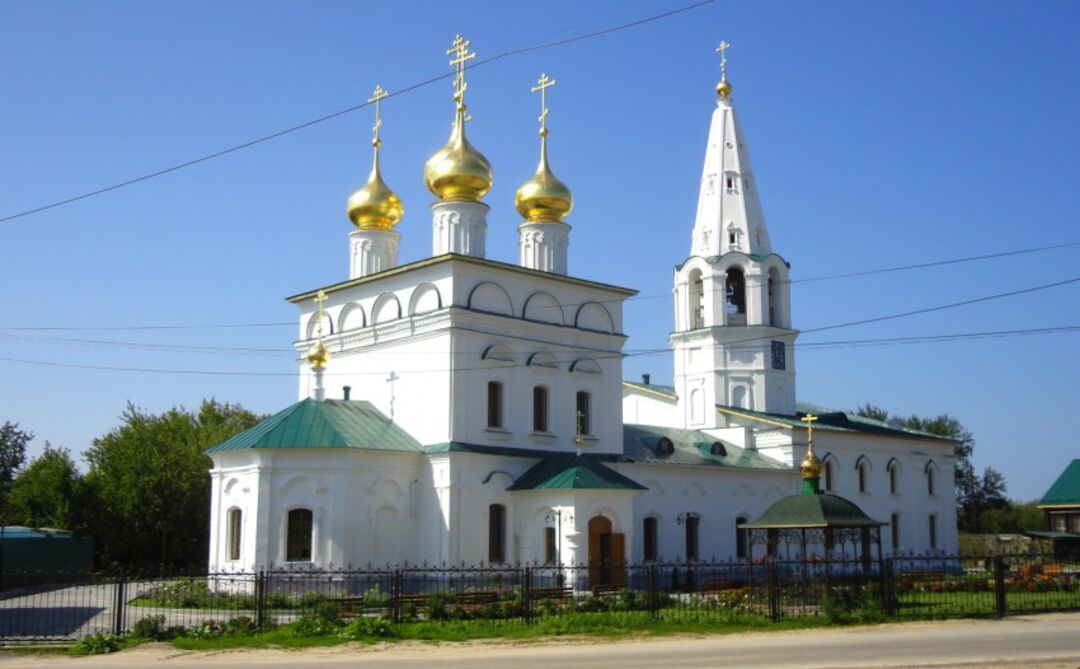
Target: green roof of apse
[(327, 424), (573, 472), (1066, 489), (688, 447), (820, 509)]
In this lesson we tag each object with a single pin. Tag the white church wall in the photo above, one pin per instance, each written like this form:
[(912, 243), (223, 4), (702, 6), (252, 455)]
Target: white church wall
[(718, 496), (641, 407)]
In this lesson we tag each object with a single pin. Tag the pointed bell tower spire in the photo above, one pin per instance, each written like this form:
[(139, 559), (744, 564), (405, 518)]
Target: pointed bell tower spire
[(733, 339)]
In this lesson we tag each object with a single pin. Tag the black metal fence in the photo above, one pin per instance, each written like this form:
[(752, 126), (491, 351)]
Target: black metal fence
[(57, 607)]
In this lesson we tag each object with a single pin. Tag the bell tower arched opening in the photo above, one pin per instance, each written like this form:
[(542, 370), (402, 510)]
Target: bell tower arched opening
[(696, 303), (735, 297)]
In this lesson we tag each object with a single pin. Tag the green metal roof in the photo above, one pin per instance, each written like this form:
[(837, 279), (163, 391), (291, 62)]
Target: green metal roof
[(326, 424), (663, 390), (822, 509), (689, 447), (464, 447), (830, 420), (1066, 489), (573, 472), (1054, 536)]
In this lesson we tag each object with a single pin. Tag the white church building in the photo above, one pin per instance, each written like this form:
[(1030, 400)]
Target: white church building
[(463, 410)]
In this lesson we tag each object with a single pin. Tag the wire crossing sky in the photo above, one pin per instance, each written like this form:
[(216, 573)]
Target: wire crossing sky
[(903, 159)]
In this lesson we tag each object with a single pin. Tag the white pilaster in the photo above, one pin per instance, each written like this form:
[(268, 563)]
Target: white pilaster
[(459, 227), (372, 251), (543, 246)]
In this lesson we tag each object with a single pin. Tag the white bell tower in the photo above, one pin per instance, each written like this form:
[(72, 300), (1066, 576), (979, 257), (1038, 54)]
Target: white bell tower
[(733, 339)]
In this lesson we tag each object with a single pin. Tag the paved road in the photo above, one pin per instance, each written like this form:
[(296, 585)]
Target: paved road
[(1049, 640)]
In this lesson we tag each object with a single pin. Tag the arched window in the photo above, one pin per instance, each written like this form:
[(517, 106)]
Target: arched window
[(551, 546), (693, 523), (235, 516), (651, 537), (584, 412), (696, 302), (828, 474), (777, 316), (740, 538), (735, 298), (298, 536), (540, 409), (496, 533), (894, 526), (738, 397), (862, 467), (930, 478), (494, 404), (894, 478)]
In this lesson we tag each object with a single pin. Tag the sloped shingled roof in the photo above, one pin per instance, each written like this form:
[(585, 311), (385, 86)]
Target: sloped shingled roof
[(689, 447), (821, 509), (1066, 489), (576, 472), (326, 424)]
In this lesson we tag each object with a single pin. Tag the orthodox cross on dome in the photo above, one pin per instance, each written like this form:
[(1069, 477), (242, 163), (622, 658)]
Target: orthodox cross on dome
[(390, 379), (720, 49), (461, 55), (377, 97), (545, 82), (809, 420), (320, 297)]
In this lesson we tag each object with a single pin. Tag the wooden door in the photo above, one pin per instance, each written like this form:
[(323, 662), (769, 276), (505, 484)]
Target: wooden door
[(599, 550), (617, 572)]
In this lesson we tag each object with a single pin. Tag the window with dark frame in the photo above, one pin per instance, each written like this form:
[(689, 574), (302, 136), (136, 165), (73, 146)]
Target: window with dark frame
[(651, 537), (933, 531), (692, 524), (496, 533), (584, 419), (930, 480), (551, 547), (893, 478), (540, 409), (862, 476), (235, 516), (298, 536), (494, 404), (740, 538), (894, 527), (828, 475)]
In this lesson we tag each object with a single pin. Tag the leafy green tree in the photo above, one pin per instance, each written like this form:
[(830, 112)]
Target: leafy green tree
[(46, 492), (13, 443), (149, 484), (975, 493)]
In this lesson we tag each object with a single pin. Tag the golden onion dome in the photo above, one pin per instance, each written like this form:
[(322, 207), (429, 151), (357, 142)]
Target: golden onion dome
[(723, 88), (319, 355), (458, 171), (811, 466), (374, 206), (543, 198)]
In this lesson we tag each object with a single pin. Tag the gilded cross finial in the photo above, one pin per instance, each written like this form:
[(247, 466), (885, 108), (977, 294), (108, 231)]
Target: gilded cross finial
[(320, 297), (545, 82), (720, 49), (809, 420), (461, 55), (377, 97)]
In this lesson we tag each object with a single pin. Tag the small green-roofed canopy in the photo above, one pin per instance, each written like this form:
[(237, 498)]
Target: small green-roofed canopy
[(1066, 489), (326, 424), (822, 509), (573, 472)]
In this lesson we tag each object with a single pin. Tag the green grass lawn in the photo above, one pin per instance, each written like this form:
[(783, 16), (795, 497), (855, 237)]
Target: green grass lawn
[(954, 604)]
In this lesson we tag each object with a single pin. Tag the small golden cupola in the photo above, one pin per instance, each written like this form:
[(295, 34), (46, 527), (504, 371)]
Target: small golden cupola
[(374, 206), (458, 172), (543, 198)]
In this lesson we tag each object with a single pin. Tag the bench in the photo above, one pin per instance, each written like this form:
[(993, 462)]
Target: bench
[(557, 594), (713, 586), (606, 590)]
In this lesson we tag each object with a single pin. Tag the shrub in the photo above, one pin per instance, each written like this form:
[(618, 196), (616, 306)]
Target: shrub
[(97, 644), (241, 626), (310, 626), (149, 627), (367, 628), (208, 629), (375, 598), (328, 611)]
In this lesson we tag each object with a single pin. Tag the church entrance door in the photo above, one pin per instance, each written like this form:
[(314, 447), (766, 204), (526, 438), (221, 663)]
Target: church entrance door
[(607, 553)]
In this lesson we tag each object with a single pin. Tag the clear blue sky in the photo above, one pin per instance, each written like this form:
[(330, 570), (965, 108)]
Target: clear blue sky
[(881, 134)]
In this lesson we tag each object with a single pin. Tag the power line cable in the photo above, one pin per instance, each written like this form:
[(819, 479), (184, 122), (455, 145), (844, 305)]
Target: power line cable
[(593, 356), (348, 110)]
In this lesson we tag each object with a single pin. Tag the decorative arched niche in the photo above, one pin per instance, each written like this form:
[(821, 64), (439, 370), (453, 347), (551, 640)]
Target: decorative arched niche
[(352, 317), (387, 308), (543, 308), (425, 298), (492, 298), (594, 316)]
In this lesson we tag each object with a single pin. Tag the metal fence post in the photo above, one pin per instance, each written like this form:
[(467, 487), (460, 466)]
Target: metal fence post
[(999, 585), (653, 587), (118, 604), (888, 587), (772, 578), (260, 598), (395, 595)]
